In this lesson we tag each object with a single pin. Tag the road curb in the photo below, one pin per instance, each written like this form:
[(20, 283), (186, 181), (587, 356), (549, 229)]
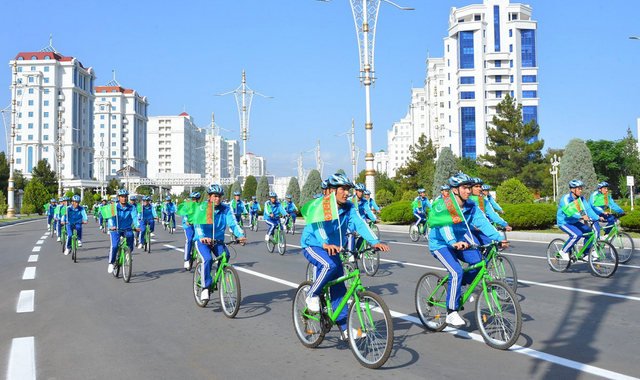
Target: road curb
[(20, 221)]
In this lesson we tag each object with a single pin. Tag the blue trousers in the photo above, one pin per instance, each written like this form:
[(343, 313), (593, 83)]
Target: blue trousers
[(70, 227), (328, 268), (115, 238), (58, 227), (207, 260), (576, 232), (170, 218), (449, 258), (49, 218), (293, 216), (143, 229), (420, 217), (272, 224), (189, 231), (611, 220)]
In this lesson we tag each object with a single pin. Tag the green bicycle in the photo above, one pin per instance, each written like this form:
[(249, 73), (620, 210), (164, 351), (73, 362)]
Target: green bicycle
[(254, 222), (289, 225), (147, 237), (74, 245), (225, 280), (499, 267), (52, 227), (603, 257), (369, 324), (416, 232), (498, 312), (622, 241), (347, 259), (124, 260), (63, 236), (370, 259), (277, 239), (374, 228)]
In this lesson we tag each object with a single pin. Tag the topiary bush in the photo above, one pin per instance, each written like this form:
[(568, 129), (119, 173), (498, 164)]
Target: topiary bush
[(530, 216), (631, 221), (397, 213), (513, 191), (28, 209)]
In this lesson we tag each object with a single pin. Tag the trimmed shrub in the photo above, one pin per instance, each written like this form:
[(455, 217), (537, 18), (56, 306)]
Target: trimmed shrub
[(631, 221), (530, 216), (3, 204), (513, 191), (28, 209), (384, 197), (409, 195), (397, 213)]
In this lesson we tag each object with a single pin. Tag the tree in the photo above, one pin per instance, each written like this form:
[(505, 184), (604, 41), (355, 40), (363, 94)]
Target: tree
[(36, 195), (69, 194), (446, 166), (513, 147), (576, 164), (250, 186), (468, 166), (382, 181), (235, 187), (42, 171), (294, 190), (3, 204), (631, 160), (19, 182), (341, 171), (144, 190), (311, 187), (513, 191), (607, 161), (262, 190), (384, 197), (4, 173), (421, 167), (113, 186)]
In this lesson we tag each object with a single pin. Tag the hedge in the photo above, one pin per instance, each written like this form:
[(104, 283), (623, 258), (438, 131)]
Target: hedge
[(530, 216), (631, 221), (397, 213)]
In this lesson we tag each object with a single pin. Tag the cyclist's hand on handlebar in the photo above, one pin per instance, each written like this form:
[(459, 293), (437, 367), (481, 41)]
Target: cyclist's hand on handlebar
[(112, 228), (136, 229), (504, 244), (205, 240), (331, 249), (585, 218), (85, 222), (508, 228), (461, 245), (242, 240), (381, 247)]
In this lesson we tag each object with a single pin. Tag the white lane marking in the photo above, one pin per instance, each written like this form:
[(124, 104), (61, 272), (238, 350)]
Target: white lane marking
[(22, 363), (39, 242), (267, 277), (44, 237), (26, 301), (33, 259), (29, 273), (16, 224), (36, 249), (414, 244)]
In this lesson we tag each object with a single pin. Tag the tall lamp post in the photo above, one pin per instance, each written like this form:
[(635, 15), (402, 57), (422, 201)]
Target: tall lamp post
[(11, 211), (60, 143), (103, 158), (555, 162)]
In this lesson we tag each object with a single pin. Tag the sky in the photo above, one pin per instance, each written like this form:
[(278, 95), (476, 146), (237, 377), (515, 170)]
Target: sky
[(304, 54)]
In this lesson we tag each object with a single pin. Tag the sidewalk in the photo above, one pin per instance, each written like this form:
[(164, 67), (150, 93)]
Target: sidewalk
[(19, 219)]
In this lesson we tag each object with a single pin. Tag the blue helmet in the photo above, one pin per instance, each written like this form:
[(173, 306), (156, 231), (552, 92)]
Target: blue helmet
[(236, 193), (339, 180), (65, 198), (367, 192), (324, 185), (75, 198), (421, 190), (603, 184), (486, 187), (53, 200), (316, 196), (272, 194), (288, 196), (459, 179), (133, 198), (445, 188), (215, 189), (253, 197), (194, 195), (360, 187), (575, 183), (146, 198), (477, 181), (123, 192), (60, 199)]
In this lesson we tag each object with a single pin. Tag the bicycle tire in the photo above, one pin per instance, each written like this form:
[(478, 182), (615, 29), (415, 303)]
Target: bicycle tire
[(74, 251), (310, 332), (606, 262), (127, 265), (371, 263), (431, 314), (310, 274), (374, 339), (116, 268), (556, 263), (230, 292), (270, 245), (501, 268), (493, 310), (414, 234), (282, 242), (197, 290), (624, 246), (293, 228), (376, 230), (63, 240)]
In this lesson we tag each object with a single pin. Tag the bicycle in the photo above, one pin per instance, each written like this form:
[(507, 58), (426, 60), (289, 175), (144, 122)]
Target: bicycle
[(347, 259), (622, 242), (416, 232), (225, 280), (124, 260), (74, 245), (104, 226), (370, 260), (374, 228), (63, 236), (498, 311), (147, 238), (289, 225), (500, 268), (277, 239), (52, 227), (368, 322), (254, 222), (603, 261)]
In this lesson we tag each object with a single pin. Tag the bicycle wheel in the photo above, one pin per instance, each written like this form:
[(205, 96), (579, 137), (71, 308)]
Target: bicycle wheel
[(348, 267), (293, 228), (370, 330), (414, 233), (555, 261), (229, 290), (271, 245), (116, 267), (310, 273), (375, 230), (74, 250), (308, 330), (282, 242), (603, 259), (431, 301), (500, 268), (499, 316), (197, 289), (623, 244), (127, 265), (371, 262)]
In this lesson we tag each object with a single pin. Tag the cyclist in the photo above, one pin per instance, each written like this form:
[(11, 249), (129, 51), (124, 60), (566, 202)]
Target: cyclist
[(273, 211), (444, 190), (254, 207), (189, 232), (237, 207), (491, 199), (103, 203), (372, 202), (322, 242), (421, 205), (363, 205), (324, 187), (51, 211), (290, 208), (124, 223), (572, 210), (213, 234), (480, 200), (74, 217), (146, 215), (133, 200), (63, 203), (169, 211), (450, 238), (95, 210), (602, 203)]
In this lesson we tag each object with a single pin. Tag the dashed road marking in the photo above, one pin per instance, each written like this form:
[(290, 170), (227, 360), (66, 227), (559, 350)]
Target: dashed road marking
[(33, 259), (22, 364), (39, 242), (29, 273), (36, 249), (26, 301)]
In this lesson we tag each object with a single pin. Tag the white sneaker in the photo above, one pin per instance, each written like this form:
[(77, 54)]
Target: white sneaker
[(471, 298), (79, 243), (67, 251), (356, 333), (564, 255), (313, 303), (48, 226), (266, 237), (140, 246), (455, 320), (152, 234), (204, 295), (58, 239), (110, 269), (594, 256), (186, 265)]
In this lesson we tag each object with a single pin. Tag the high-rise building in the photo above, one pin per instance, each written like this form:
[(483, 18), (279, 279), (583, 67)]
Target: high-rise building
[(120, 130), (257, 165), (175, 146), (233, 158), (489, 52), (54, 113), (216, 166)]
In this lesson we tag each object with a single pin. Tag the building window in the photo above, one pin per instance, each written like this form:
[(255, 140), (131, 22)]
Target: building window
[(511, 63), (101, 117), (45, 126), (18, 138), (498, 63), (18, 161), (46, 91), (510, 32), (30, 126), (46, 103), (30, 137), (467, 80), (46, 68), (529, 79), (46, 80), (31, 91), (510, 48), (30, 102), (499, 79), (528, 41), (113, 117), (45, 137), (113, 144), (468, 123), (30, 79), (511, 78), (18, 149), (496, 27), (529, 94), (498, 94), (466, 50), (529, 113), (467, 95), (46, 114), (30, 114), (476, 17)]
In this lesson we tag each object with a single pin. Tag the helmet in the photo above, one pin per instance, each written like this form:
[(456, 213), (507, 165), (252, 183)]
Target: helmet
[(421, 190), (359, 187), (123, 192), (477, 181), (167, 198), (60, 199), (603, 184), (339, 180), (76, 198), (215, 189), (52, 200), (367, 192), (133, 198), (253, 197), (288, 196), (445, 188), (65, 198), (316, 196), (575, 183), (194, 195), (324, 185), (272, 194), (146, 198), (236, 193), (459, 179), (486, 187)]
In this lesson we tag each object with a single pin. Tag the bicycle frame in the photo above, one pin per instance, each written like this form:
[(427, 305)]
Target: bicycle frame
[(589, 243), (223, 263), (615, 231)]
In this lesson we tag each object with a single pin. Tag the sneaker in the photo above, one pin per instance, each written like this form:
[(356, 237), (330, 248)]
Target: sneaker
[(67, 252), (153, 235), (58, 239), (186, 265), (79, 243), (266, 237), (455, 320), (594, 256), (140, 246), (313, 303), (110, 269), (204, 295), (564, 255), (356, 333)]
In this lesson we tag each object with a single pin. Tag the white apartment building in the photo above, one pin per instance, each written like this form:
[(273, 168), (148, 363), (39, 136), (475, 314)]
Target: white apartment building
[(381, 162), (53, 97), (174, 146), (216, 166), (405, 133), (233, 158), (120, 130), (489, 52), (257, 165)]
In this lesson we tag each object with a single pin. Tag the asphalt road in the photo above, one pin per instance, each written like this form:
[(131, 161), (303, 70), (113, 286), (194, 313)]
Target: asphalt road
[(62, 320)]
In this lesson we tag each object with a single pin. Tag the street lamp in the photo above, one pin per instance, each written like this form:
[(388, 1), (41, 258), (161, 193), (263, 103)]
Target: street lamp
[(127, 167), (555, 162), (104, 168), (60, 143)]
